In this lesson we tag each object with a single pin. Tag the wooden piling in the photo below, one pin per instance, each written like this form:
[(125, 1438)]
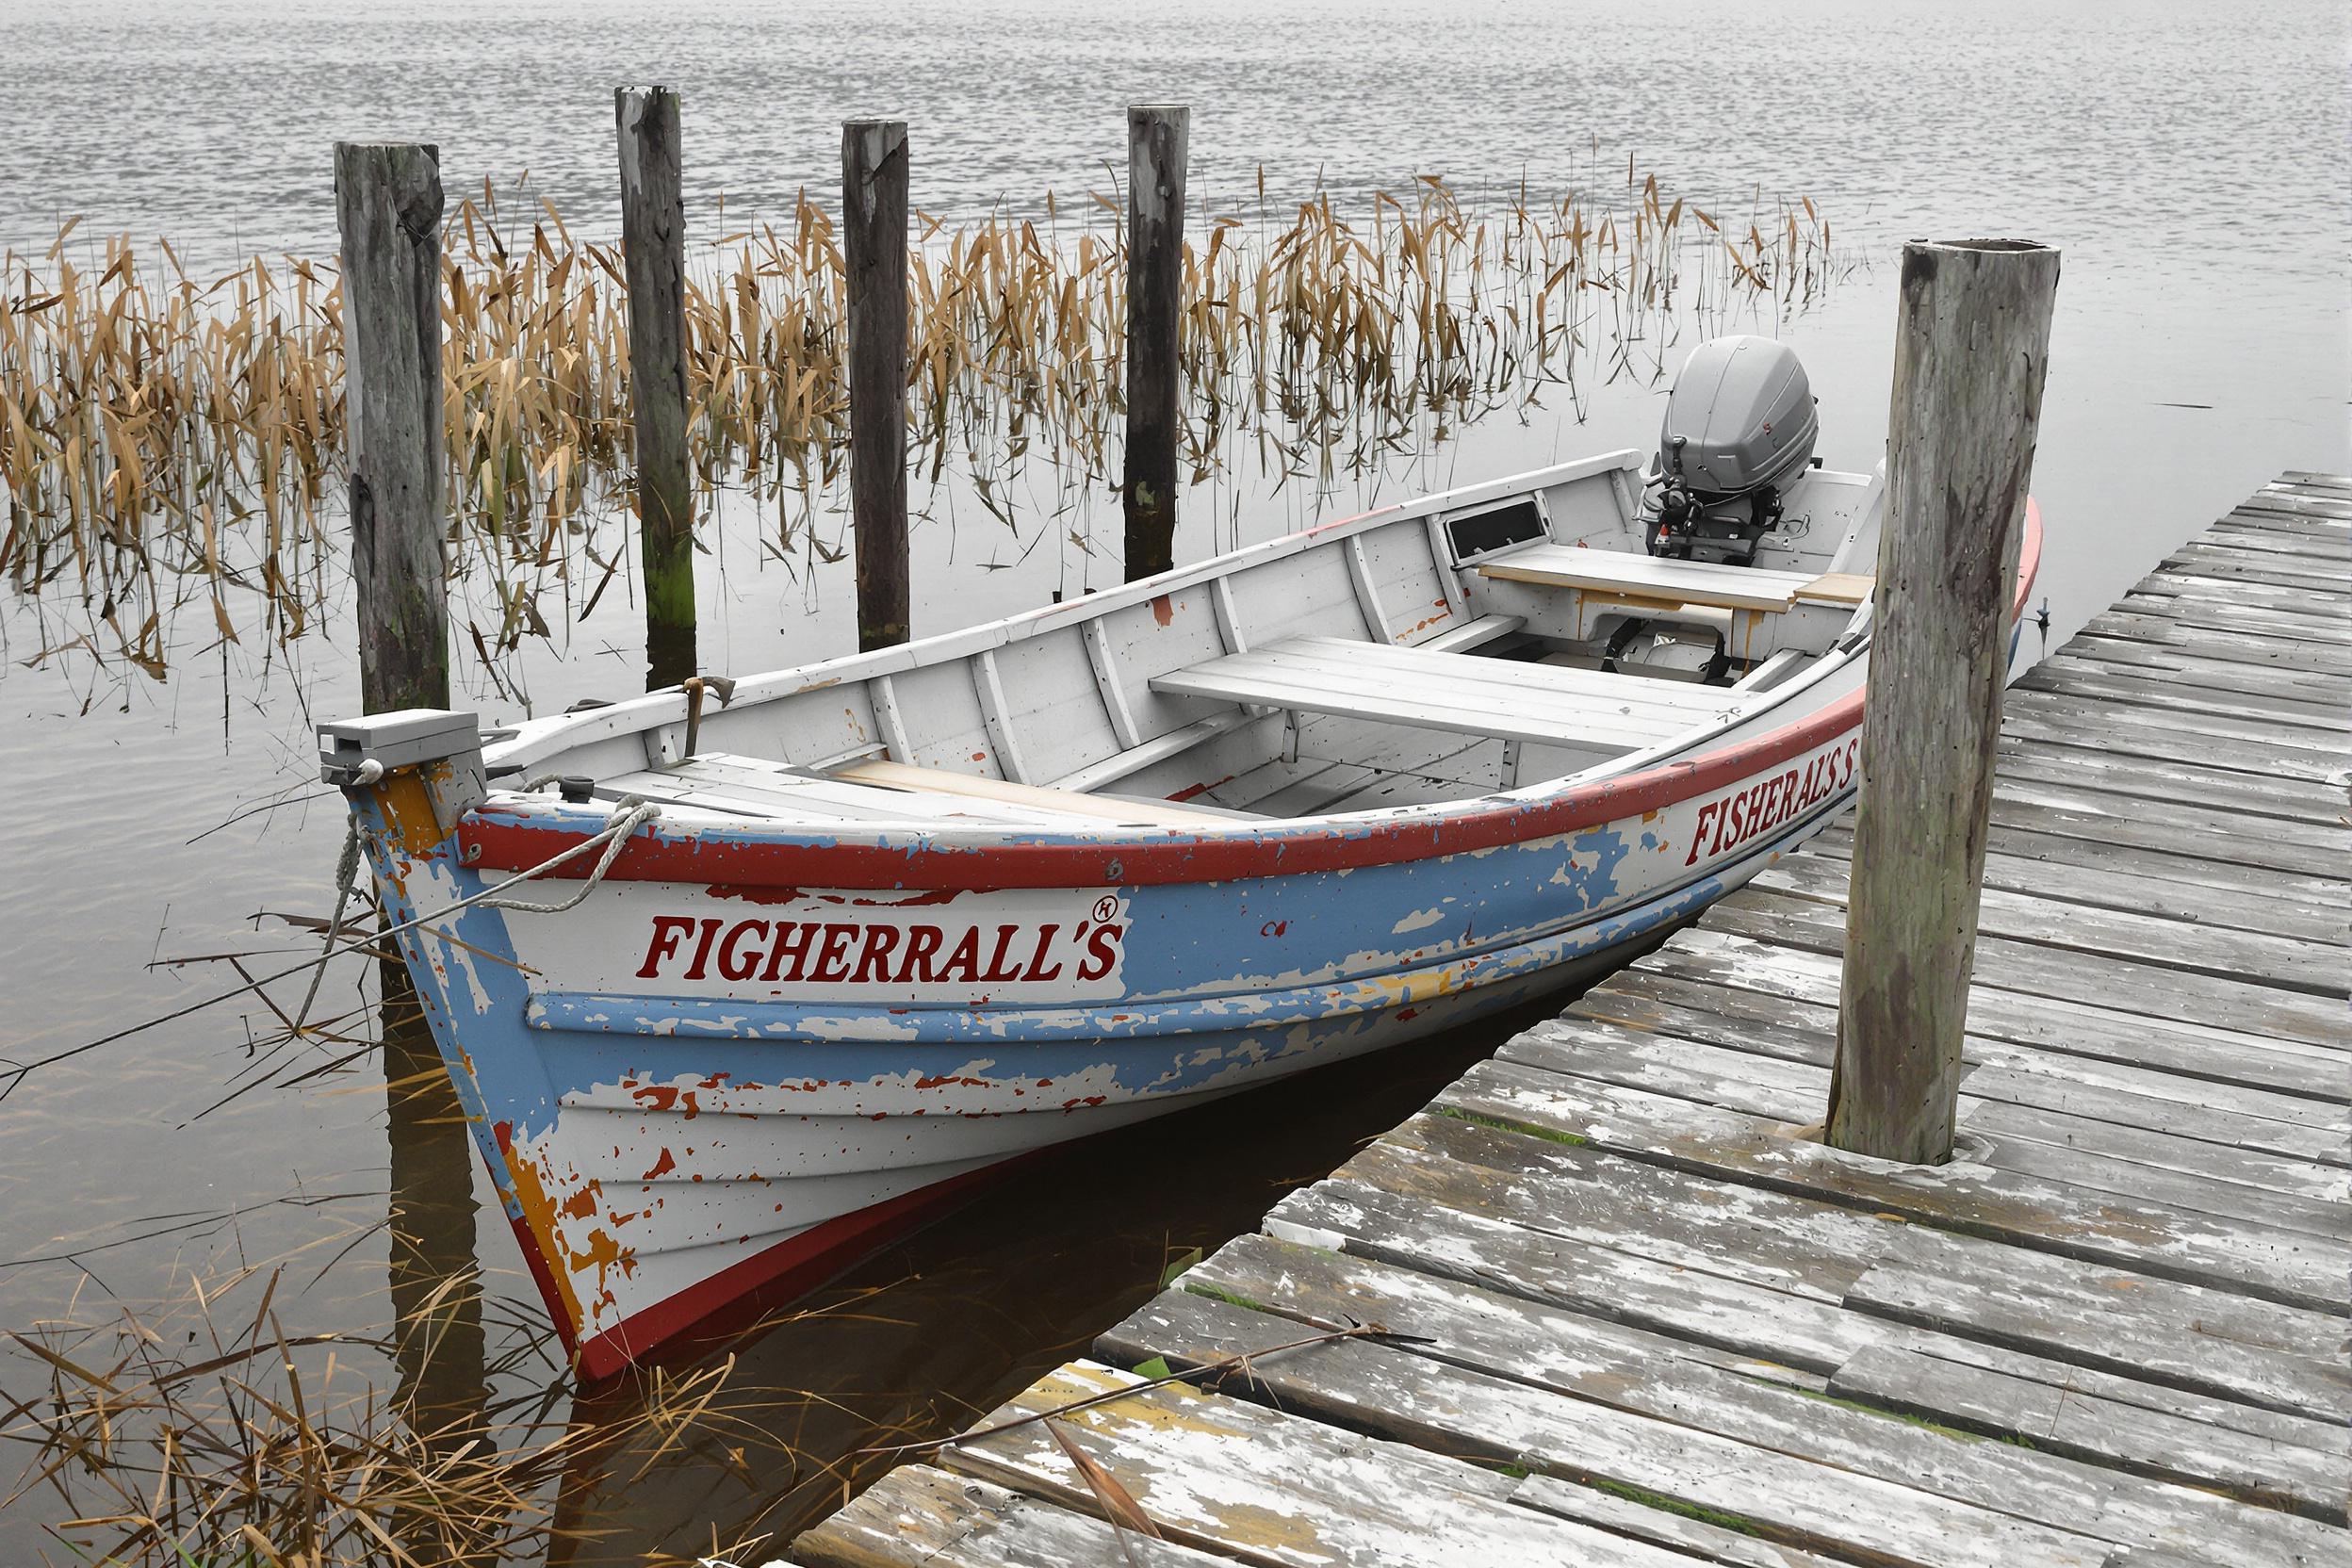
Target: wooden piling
[(387, 198), (653, 243), (1972, 346), (873, 226), (1157, 136)]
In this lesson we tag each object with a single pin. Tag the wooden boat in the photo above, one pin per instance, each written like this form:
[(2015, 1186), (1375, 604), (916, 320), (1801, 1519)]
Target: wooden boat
[(907, 916)]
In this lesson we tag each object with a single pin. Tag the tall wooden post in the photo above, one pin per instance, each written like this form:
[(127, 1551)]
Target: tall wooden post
[(1972, 345), (388, 208), (873, 224), (387, 203), (1157, 135), (653, 245)]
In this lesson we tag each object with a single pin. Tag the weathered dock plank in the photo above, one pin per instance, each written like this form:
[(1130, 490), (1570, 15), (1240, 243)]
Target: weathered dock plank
[(1631, 1311), (1716, 994), (1317, 1493), (944, 1521), (1634, 1370)]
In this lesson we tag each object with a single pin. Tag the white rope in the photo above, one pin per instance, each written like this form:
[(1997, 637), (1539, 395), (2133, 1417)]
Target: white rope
[(346, 881), (629, 815)]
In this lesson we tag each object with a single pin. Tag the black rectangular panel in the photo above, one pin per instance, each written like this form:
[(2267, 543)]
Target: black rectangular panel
[(1481, 533)]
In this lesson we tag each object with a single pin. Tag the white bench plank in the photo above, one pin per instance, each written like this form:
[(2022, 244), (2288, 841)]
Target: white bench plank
[(1538, 703), (1159, 749), (748, 787), (1599, 685)]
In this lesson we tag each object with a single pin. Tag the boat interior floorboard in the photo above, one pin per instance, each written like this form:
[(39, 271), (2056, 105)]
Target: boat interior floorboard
[(1338, 756), (1477, 768)]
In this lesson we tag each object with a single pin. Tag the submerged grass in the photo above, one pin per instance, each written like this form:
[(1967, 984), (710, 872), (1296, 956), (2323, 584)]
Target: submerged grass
[(1737, 1523), (167, 438), (1525, 1129)]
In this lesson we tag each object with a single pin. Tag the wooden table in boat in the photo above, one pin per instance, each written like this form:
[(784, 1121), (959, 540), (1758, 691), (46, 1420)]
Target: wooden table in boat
[(1751, 605), (1661, 580), (1544, 704)]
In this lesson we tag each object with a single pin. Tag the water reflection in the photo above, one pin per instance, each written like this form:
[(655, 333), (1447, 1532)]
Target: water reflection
[(434, 1278)]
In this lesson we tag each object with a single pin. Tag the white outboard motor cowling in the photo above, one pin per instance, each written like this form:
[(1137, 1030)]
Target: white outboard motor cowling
[(1739, 425)]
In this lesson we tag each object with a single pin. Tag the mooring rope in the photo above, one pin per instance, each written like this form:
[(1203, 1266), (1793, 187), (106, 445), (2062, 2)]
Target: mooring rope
[(628, 815), (346, 880)]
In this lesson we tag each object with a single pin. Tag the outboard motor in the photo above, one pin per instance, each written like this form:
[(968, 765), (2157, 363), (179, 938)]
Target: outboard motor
[(1739, 425)]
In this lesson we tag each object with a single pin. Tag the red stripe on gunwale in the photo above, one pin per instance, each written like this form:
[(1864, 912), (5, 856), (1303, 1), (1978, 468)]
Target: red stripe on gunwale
[(491, 840)]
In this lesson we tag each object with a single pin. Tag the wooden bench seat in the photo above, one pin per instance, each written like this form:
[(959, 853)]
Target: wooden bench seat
[(1541, 703), (1174, 743), (882, 792), (1037, 798), (1657, 580), (758, 787)]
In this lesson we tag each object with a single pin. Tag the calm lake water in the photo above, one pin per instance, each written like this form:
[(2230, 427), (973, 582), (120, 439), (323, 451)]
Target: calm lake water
[(2189, 160)]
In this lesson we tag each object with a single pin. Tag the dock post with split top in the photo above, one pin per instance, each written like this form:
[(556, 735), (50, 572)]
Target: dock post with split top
[(388, 202), (1157, 135), (1971, 347), (653, 249), (873, 224)]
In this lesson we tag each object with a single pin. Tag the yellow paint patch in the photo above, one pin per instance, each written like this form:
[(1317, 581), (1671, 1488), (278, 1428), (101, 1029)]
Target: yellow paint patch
[(531, 1195), (1171, 1407), (407, 806)]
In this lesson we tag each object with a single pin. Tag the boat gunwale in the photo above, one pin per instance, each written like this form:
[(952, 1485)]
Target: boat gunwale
[(534, 740), (510, 837)]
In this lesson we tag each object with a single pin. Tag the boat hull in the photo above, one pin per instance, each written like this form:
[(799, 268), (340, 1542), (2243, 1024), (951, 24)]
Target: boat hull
[(690, 1090), (752, 1048)]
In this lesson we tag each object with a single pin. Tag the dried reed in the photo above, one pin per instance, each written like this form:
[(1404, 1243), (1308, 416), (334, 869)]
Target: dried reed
[(268, 1449), (163, 438)]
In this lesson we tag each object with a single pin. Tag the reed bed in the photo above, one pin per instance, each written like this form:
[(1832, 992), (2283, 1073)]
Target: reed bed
[(201, 1433), (166, 438)]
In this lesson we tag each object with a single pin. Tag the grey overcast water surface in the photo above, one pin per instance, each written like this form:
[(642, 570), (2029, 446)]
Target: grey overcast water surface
[(2188, 158)]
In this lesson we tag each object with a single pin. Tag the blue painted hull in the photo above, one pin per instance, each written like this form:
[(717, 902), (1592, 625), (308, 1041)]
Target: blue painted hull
[(662, 1153)]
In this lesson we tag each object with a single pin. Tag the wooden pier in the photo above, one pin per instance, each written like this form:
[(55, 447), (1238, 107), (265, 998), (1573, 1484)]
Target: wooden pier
[(1636, 1315)]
